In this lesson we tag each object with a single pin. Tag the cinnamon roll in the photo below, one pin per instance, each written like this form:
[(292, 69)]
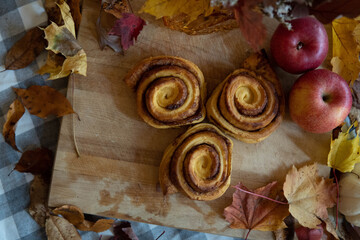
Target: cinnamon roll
[(170, 91), (249, 104), (197, 163)]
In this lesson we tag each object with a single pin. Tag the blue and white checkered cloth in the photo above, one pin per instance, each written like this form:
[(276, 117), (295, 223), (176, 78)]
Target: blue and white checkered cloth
[(16, 17)]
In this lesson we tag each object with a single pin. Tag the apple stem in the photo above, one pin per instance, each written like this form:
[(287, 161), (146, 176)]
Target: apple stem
[(337, 197), (258, 195)]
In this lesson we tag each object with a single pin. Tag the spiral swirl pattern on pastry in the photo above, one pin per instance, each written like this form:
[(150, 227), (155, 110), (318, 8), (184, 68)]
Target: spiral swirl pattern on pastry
[(170, 91), (248, 104), (197, 163)]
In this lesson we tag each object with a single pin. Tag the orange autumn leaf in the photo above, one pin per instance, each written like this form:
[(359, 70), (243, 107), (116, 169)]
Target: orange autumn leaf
[(76, 217), (71, 213), (16, 111), (43, 101), (37, 162), (309, 195), (251, 212)]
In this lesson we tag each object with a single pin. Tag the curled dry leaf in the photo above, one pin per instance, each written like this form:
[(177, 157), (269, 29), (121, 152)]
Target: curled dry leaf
[(123, 231), (103, 23), (25, 50), (72, 213), (58, 228), (128, 27), (309, 195), (250, 22), (43, 101), (346, 49), (16, 111), (248, 211), (76, 217), (37, 162), (39, 190)]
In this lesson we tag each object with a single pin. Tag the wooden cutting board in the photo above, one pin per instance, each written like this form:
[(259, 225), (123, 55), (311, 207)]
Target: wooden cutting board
[(117, 173)]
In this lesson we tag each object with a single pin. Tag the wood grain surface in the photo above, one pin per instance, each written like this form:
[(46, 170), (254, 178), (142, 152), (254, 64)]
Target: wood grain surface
[(117, 173)]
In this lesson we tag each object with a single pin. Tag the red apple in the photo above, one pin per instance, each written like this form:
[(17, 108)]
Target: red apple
[(302, 48), (319, 101)]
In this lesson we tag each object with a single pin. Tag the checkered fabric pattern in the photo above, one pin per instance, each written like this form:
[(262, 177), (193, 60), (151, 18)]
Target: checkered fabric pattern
[(16, 17)]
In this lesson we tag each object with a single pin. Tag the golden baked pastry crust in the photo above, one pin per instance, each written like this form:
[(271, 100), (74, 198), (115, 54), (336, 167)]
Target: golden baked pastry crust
[(170, 91), (197, 163), (249, 104)]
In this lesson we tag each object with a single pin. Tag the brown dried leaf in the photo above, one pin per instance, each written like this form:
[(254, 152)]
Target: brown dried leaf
[(252, 212), (75, 12), (37, 162), (309, 195), (39, 191), (43, 101), (98, 226), (58, 228), (326, 11), (249, 19), (53, 11), (117, 7), (25, 50), (16, 111), (72, 213)]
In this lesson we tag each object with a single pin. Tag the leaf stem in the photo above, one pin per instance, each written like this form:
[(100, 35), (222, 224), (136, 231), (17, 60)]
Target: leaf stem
[(337, 197), (247, 235), (258, 195), (160, 235)]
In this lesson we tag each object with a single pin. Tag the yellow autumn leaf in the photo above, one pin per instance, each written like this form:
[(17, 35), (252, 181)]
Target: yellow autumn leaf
[(66, 16), (344, 152), (61, 40), (346, 48), (172, 8)]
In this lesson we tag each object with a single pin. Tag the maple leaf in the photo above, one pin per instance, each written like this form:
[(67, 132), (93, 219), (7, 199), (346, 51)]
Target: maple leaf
[(253, 212), (128, 27), (53, 12), (38, 208), (16, 111), (25, 50), (309, 195), (326, 11), (344, 151), (37, 162), (43, 101), (123, 231), (250, 22), (76, 217), (58, 228), (62, 40), (173, 8), (346, 49)]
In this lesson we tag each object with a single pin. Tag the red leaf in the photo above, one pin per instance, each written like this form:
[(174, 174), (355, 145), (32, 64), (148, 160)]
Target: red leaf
[(37, 162), (123, 231), (250, 22), (128, 28)]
